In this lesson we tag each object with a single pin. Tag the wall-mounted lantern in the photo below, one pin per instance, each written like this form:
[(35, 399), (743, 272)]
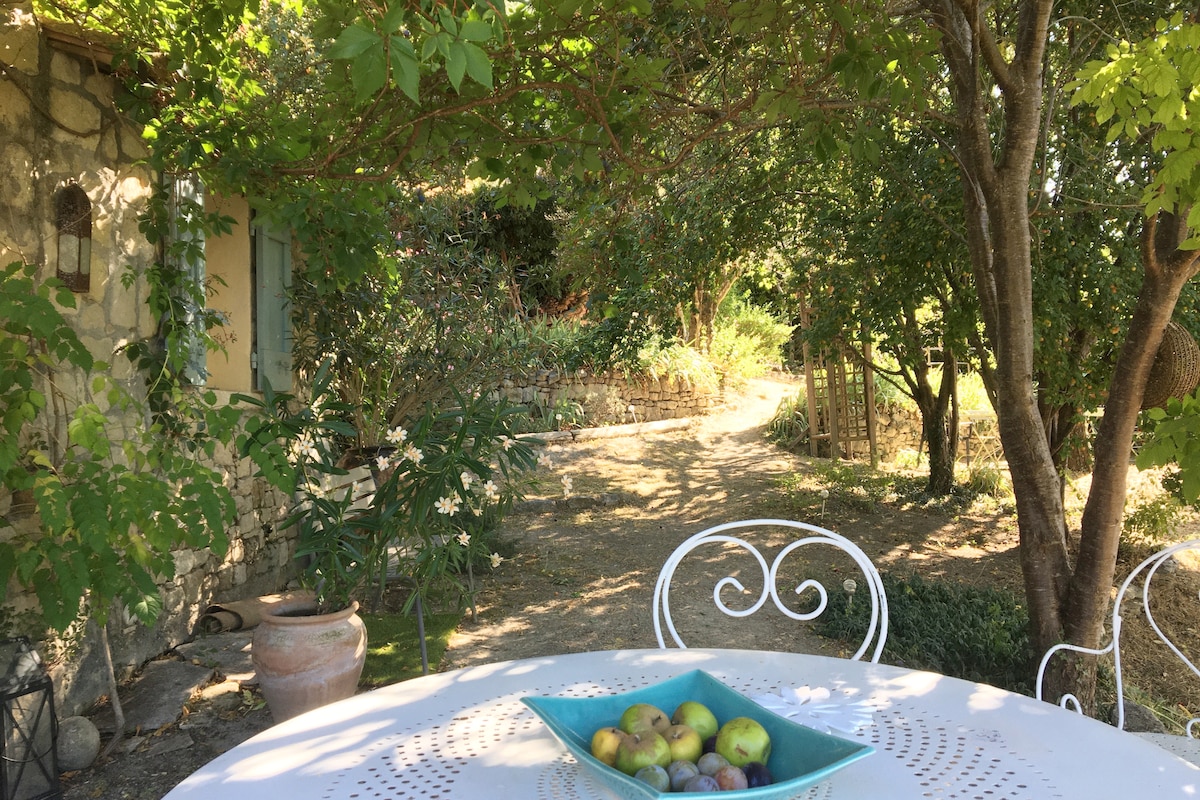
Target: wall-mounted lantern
[(73, 220), (28, 749)]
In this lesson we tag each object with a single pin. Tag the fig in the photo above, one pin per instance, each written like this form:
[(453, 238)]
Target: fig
[(757, 774)]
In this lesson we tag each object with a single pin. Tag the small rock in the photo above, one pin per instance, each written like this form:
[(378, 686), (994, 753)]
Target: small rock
[(171, 744), (78, 743), (1139, 719)]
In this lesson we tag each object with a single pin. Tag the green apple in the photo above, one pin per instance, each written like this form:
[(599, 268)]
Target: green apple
[(643, 716), (742, 740), (685, 743), (604, 744), (697, 717), (642, 749)]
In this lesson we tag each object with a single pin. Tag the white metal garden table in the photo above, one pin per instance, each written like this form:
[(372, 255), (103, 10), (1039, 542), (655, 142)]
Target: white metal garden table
[(465, 734)]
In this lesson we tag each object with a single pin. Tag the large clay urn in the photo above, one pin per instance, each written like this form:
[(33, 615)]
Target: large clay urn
[(305, 659)]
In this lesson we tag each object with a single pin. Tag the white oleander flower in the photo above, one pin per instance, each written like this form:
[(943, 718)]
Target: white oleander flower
[(490, 490), (397, 436), (447, 505), (463, 538), (497, 560)]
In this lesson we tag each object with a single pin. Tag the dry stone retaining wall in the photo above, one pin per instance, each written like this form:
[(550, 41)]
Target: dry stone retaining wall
[(610, 398), (898, 429)]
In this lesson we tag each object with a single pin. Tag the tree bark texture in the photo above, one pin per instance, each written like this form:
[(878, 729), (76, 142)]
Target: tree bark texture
[(1167, 269), (1064, 605), (996, 171)]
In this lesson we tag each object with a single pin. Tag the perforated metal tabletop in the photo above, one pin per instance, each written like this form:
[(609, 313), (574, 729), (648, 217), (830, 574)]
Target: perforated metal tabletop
[(465, 734)]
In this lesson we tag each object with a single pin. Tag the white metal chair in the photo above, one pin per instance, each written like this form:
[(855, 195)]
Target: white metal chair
[(811, 535), (1187, 747)]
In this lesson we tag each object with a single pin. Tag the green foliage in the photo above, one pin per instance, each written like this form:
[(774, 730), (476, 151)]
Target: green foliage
[(986, 478), (115, 496), (453, 472), (1150, 88), (747, 340), (437, 316), (789, 426), (676, 361), (977, 634), (1155, 519), (1173, 438)]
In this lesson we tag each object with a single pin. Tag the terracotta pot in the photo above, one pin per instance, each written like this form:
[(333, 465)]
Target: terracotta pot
[(305, 660)]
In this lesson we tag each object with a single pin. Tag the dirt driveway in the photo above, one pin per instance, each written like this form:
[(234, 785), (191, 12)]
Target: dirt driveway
[(583, 578)]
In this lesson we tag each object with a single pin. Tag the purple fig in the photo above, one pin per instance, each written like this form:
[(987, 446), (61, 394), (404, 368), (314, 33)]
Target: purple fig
[(757, 774)]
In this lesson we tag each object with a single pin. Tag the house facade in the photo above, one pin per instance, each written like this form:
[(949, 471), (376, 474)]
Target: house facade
[(72, 190)]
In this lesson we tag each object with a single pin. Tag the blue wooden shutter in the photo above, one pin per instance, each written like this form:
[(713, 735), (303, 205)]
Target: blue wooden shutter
[(273, 326)]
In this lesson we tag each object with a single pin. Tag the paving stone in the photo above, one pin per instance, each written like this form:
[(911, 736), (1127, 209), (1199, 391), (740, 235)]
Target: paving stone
[(228, 653), (157, 697)]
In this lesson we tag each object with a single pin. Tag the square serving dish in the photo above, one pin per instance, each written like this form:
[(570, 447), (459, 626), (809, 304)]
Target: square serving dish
[(800, 756)]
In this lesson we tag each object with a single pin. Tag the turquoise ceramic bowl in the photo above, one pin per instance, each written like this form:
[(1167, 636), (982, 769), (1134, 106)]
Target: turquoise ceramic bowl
[(800, 756)]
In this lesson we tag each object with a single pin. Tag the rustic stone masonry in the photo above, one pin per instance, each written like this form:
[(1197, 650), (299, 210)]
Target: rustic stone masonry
[(610, 398), (898, 429), (60, 131)]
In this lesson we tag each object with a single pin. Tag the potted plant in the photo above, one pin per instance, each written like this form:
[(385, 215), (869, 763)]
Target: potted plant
[(441, 481), (309, 652)]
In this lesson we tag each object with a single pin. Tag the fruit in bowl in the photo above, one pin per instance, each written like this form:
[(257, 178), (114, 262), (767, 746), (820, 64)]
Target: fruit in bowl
[(742, 740), (673, 757), (799, 757)]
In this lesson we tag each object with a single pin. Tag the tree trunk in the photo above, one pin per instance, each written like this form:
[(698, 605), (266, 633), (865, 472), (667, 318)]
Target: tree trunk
[(1167, 269), (995, 176), (114, 698), (936, 428)]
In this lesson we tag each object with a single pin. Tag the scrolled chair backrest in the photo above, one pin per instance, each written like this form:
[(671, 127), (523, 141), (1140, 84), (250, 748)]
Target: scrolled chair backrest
[(809, 535), (1149, 568)]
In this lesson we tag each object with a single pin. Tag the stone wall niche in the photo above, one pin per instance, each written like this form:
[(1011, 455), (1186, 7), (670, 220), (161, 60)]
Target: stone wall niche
[(73, 222)]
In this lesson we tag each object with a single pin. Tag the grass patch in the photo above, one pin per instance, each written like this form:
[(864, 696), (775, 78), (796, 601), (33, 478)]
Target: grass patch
[(393, 650)]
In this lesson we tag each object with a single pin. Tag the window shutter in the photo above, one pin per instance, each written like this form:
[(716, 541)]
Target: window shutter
[(273, 328)]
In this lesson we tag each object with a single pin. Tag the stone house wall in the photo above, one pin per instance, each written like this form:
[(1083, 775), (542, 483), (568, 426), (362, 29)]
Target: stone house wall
[(59, 128), (610, 398)]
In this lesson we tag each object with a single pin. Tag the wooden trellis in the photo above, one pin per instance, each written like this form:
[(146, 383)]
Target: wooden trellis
[(841, 401)]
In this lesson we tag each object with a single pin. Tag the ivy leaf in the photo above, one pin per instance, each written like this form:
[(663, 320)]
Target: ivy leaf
[(479, 67), (475, 30), (406, 70), (393, 20), (456, 63), (354, 41), (368, 72)]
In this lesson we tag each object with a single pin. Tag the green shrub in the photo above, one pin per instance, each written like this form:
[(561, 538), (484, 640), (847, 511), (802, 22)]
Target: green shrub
[(677, 361), (1155, 519), (968, 632), (747, 340)]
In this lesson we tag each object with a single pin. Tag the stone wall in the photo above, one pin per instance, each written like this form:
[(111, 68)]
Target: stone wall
[(609, 398), (58, 128), (898, 430)]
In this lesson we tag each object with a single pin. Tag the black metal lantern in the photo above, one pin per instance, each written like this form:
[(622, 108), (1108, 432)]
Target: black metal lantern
[(28, 754)]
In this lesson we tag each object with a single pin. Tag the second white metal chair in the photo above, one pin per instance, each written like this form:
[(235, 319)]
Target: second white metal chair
[(1187, 747), (809, 535)]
